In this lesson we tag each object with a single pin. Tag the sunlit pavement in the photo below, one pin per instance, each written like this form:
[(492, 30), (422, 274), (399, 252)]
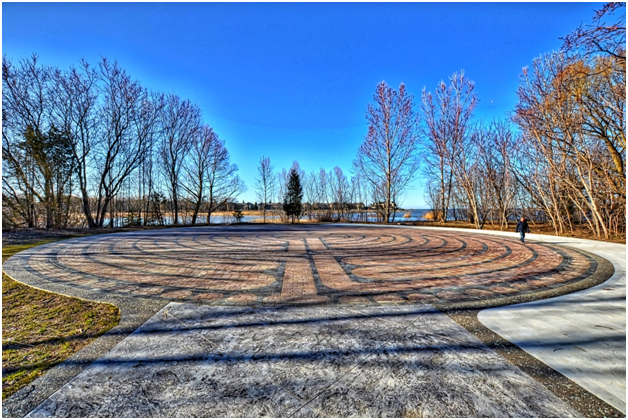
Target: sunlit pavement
[(356, 359), (210, 361), (582, 335)]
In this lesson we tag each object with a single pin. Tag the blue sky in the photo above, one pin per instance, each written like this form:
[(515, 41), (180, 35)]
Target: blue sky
[(292, 80)]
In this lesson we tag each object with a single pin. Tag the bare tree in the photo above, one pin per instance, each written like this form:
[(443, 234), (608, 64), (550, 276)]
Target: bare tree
[(200, 162), (433, 197), (360, 197), (76, 99), (310, 194), (494, 148), (388, 157), (340, 191), (265, 187), (575, 130), (180, 123), (324, 196), (447, 115), (601, 36), (467, 174), (148, 171), (223, 183), (126, 123), (100, 130)]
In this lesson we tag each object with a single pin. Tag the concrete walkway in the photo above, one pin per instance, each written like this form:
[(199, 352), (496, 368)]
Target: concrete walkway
[(581, 335), (210, 361)]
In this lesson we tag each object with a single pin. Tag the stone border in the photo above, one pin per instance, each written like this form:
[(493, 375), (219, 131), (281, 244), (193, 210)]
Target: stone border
[(582, 400), (603, 272)]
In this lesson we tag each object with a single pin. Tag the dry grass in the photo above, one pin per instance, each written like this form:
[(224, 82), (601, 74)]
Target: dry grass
[(42, 329), (538, 228)]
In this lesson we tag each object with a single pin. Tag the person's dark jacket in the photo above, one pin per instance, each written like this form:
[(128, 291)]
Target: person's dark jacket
[(522, 227)]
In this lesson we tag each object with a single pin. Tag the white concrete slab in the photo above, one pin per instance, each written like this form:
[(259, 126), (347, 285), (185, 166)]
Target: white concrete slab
[(581, 335), (211, 361)]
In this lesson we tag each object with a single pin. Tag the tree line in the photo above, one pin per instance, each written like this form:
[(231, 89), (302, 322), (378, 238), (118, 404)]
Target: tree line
[(559, 157), (87, 145), (565, 157), (91, 145)]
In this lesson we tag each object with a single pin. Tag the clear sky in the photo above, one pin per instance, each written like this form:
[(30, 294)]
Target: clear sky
[(292, 80)]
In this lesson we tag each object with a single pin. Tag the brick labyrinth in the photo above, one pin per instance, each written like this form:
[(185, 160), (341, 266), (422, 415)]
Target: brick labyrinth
[(316, 264)]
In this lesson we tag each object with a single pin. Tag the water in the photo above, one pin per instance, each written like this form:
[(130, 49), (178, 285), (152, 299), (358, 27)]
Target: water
[(415, 215)]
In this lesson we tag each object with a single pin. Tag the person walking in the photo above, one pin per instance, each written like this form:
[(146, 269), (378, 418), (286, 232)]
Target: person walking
[(523, 228)]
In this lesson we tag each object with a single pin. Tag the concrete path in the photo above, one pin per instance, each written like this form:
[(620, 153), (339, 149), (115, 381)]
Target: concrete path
[(208, 361), (582, 335)]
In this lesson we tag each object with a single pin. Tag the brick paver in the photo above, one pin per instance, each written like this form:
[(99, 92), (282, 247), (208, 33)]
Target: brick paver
[(309, 264)]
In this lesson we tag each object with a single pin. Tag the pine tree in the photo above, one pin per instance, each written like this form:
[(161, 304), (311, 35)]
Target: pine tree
[(292, 200)]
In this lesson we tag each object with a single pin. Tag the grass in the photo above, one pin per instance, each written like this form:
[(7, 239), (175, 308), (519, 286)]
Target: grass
[(42, 329), (580, 231)]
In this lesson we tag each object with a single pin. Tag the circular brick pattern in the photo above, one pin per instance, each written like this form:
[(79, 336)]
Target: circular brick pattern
[(309, 264)]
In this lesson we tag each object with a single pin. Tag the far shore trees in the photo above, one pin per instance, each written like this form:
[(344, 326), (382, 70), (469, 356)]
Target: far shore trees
[(388, 157), (265, 187)]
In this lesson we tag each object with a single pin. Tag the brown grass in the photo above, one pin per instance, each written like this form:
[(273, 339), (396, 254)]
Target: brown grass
[(538, 228), (42, 329), (244, 213)]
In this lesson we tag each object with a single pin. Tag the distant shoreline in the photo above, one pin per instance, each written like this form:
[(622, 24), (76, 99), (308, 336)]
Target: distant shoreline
[(18, 236)]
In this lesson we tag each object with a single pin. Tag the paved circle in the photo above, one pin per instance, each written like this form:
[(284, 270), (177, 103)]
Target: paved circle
[(263, 265)]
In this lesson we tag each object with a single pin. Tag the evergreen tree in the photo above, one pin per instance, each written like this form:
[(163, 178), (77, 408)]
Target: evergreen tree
[(52, 162), (294, 194)]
